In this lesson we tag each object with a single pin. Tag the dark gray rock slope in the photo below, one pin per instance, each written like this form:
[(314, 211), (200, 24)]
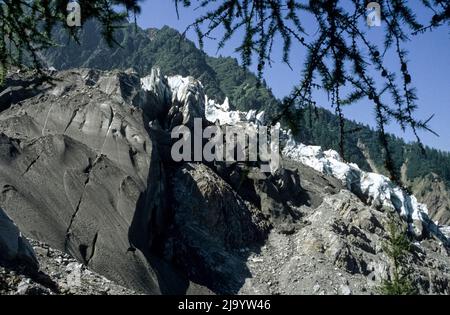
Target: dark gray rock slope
[(79, 171), (15, 250)]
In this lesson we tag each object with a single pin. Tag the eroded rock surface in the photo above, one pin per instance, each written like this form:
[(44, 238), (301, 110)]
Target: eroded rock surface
[(79, 171)]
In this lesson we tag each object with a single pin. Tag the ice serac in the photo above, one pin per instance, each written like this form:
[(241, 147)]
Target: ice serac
[(156, 95), (188, 99), (375, 189), (224, 115), (178, 99)]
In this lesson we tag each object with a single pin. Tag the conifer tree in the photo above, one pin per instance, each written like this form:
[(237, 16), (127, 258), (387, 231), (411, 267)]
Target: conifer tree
[(397, 247), (340, 56), (26, 26)]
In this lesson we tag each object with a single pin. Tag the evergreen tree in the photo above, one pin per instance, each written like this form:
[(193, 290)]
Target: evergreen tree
[(26, 26), (339, 55), (397, 248)]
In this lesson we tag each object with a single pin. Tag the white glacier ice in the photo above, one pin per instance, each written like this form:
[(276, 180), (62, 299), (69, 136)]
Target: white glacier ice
[(375, 189), (222, 113)]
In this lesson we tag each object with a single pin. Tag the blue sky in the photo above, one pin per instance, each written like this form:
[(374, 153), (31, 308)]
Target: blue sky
[(429, 56)]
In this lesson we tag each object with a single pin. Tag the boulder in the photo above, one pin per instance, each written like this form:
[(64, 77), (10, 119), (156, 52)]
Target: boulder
[(14, 247)]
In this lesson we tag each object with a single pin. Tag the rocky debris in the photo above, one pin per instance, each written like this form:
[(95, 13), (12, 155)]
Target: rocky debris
[(206, 204), (323, 224), (59, 274), (279, 196), (329, 219), (14, 247), (373, 188), (339, 252), (211, 224), (20, 86)]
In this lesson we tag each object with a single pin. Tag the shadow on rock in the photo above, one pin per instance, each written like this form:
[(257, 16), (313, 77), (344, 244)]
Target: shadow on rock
[(213, 229), (16, 89), (149, 227)]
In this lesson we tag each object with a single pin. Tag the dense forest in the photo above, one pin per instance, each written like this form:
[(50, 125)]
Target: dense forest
[(361, 144), (223, 76)]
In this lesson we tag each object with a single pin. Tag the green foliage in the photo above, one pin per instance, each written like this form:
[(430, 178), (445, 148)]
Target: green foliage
[(435, 161), (318, 126), (397, 248), (26, 26), (398, 245), (242, 87), (338, 53), (138, 49), (167, 49), (400, 285)]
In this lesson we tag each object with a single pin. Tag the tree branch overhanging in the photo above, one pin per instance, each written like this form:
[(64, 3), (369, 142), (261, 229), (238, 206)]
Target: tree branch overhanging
[(340, 55)]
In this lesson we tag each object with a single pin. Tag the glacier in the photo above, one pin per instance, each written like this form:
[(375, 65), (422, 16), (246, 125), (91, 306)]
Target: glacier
[(375, 189)]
